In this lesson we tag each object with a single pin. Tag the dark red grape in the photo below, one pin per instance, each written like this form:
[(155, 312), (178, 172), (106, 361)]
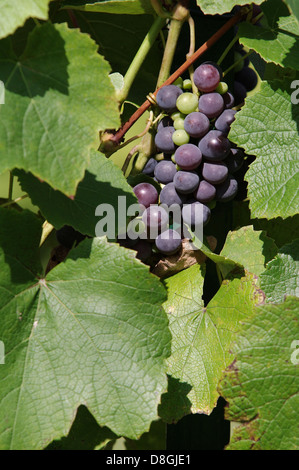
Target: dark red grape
[(167, 96), (234, 160), (229, 100), (188, 157), (224, 121), (169, 195), (166, 121), (205, 192), (155, 217), (165, 171), (211, 104), (214, 146), (168, 242), (206, 77), (195, 214), (186, 182), (214, 172), (227, 191), (196, 124), (146, 194), (240, 93), (163, 140), (150, 167), (248, 77)]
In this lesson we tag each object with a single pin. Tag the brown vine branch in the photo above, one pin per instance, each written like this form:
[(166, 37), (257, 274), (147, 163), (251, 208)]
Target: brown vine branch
[(118, 136)]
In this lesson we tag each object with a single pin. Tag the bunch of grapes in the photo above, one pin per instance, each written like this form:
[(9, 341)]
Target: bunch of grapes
[(196, 161)]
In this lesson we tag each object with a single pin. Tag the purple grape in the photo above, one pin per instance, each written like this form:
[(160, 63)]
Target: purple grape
[(205, 192), (163, 140), (168, 242), (195, 214), (146, 194), (240, 92), (150, 167), (214, 172), (165, 171), (224, 121), (186, 182), (248, 77), (188, 157), (155, 217), (167, 96), (166, 121), (229, 100), (206, 77), (211, 104), (227, 191), (169, 195), (234, 160), (214, 146), (196, 124)]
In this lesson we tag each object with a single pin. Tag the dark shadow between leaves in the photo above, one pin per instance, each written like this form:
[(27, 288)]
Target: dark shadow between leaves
[(85, 433), (175, 403), (199, 431)]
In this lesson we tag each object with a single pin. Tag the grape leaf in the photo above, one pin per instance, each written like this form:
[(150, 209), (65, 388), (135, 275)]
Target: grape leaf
[(277, 40), (119, 38), (294, 8), (104, 183), (243, 248), (267, 126), (92, 332), (261, 384), (201, 338), (282, 231), (221, 6), (123, 7), (15, 13), (281, 276), (58, 96)]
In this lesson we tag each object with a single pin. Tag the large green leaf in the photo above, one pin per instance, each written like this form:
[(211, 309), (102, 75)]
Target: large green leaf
[(123, 7), (281, 277), (119, 37), (58, 96), (261, 384), (294, 7), (92, 332), (104, 183), (216, 7), (14, 13), (201, 339), (277, 40), (267, 126)]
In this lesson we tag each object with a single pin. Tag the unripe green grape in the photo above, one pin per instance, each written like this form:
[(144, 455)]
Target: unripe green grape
[(187, 103), (179, 82), (187, 84), (222, 88), (173, 158), (177, 114), (180, 137), (178, 124)]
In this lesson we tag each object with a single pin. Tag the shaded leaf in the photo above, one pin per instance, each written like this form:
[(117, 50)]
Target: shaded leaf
[(92, 332), (15, 13), (281, 276), (261, 385), (54, 109)]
